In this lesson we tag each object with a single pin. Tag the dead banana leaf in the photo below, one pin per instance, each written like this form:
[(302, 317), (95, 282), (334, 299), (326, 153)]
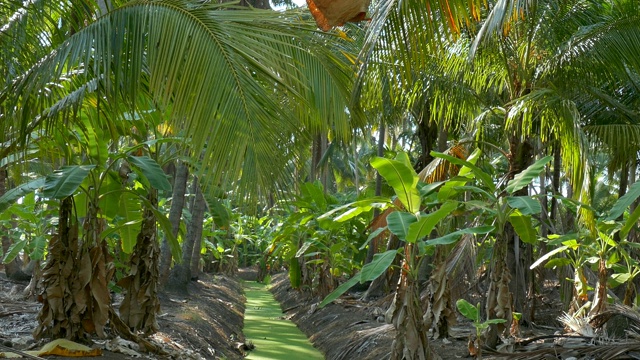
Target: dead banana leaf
[(330, 13), (64, 347), (60, 347)]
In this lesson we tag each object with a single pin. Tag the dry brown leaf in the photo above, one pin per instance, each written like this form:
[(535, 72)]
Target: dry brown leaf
[(330, 13), (64, 347)]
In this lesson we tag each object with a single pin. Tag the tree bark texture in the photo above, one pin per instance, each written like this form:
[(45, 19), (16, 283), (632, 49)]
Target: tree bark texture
[(181, 273), (499, 299), (371, 250), (75, 297), (141, 304), (175, 213), (411, 342)]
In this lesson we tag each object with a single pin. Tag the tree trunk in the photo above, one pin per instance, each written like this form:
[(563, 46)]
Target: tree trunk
[(141, 304), (13, 269), (195, 256), (371, 250), (555, 183), (428, 136), (181, 273), (175, 213), (506, 293), (411, 342), (75, 297), (517, 260), (499, 299)]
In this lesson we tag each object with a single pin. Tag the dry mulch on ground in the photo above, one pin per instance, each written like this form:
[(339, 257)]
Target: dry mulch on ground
[(206, 323)]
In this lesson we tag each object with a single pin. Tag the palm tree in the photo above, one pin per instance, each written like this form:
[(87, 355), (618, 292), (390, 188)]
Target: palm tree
[(516, 77), (219, 73)]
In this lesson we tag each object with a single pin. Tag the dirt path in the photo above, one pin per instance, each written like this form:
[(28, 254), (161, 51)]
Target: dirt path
[(274, 336)]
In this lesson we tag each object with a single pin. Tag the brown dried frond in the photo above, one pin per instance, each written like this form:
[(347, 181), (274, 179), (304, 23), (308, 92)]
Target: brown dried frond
[(440, 169), (461, 266)]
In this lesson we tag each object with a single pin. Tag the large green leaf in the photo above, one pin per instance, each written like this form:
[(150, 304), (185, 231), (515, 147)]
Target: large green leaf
[(527, 175), (624, 202), (469, 167), (152, 171), (425, 224), (39, 243), (399, 222), (349, 211), (340, 290), (402, 178), (128, 227), (95, 140), (219, 212), (373, 235), (548, 255), (630, 222), (14, 250), (454, 236), (65, 181), (453, 186), (314, 192), (524, 227), (525, 204), (370, 271), (377, 266), (110, 195), (14, 194)]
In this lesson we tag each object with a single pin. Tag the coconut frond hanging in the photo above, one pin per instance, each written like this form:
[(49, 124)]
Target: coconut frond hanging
[(330, 13)]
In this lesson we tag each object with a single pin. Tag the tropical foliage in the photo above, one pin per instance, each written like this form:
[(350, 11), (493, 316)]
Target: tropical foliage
[(142, 142)]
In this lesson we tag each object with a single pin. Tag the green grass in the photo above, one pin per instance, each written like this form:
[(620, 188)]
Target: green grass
[(274, 337)]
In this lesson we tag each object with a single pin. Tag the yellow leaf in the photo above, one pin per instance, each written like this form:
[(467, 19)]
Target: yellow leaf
[(64, 347)]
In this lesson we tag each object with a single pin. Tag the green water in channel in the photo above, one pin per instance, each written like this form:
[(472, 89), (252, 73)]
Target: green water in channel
[(274, 337)]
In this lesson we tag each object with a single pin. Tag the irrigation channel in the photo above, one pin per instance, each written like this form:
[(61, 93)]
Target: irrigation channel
[(274, 337)]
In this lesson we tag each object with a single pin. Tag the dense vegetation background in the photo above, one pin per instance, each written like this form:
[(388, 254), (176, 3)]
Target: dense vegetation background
[(436, 145)]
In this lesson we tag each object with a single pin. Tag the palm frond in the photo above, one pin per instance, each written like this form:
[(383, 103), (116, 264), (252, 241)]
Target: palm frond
[(220, 74)]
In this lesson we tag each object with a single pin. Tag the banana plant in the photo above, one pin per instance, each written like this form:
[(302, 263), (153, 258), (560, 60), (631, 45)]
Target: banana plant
[(107, 192), (30, 236), (411, 221), (423, 207), (499, 207), (316, 249), (605, 248)]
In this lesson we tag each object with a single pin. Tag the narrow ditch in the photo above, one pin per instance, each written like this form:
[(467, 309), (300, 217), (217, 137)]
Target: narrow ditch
[(273, 336)]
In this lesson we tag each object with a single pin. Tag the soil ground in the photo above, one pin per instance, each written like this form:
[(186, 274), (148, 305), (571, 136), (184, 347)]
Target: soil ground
[(207, 323)]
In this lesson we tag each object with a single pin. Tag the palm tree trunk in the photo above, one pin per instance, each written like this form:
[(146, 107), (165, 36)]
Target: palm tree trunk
[(555, 182), (181, 273), (197, 246), (600, 296), (141, 304), (13, 269), (371, 250), (505, 293), (175, 213)]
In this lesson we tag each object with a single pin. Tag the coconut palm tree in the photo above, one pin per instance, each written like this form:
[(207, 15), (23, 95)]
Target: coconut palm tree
[(219, 73), (509, 74)]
